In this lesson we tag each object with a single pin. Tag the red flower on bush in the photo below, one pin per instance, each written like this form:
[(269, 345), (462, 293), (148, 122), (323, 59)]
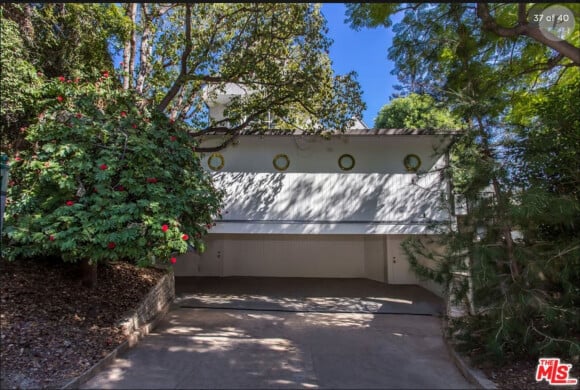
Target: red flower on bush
[(120, 188), (164, 228), (134, 125), (151, 180), (105, 74), (79, 115), (17, 158), (123, 114), (172, 121), (185, 237), (103, 167), (69, 202), (111, 245), (173, 138), (173, 260), (61, 79), (51, 237), (59, 98)]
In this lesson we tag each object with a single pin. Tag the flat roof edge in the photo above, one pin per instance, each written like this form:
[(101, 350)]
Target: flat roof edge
[(357, 133)]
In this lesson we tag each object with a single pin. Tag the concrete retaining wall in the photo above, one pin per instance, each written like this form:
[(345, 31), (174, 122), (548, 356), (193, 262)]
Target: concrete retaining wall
[(155, 303), (136, 324)]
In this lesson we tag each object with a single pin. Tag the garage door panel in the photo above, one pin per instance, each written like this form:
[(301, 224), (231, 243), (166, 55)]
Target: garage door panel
[(303, 256)]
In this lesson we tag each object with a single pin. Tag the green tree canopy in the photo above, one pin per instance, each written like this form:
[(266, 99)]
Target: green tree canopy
[(416, 111), (173, 54), (517, 166), (65, 39), (277, 50)]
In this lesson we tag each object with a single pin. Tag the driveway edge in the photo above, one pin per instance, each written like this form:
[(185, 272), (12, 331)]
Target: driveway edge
[(472, 374), (136, 325)]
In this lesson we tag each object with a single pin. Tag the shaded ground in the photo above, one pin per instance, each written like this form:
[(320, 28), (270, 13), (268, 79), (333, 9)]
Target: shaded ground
[(328, 295), (52, 329), (254, 349)]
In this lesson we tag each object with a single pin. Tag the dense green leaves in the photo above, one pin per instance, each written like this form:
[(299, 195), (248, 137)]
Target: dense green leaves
[(103, 179), (416, 111), (190, 53), (18, 80), (517, 166)]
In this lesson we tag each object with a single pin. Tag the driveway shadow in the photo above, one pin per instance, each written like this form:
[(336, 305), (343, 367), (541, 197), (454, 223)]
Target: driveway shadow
[(325, 295), (235, 344)]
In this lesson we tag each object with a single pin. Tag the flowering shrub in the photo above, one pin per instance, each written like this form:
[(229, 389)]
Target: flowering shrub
[(105, 181)]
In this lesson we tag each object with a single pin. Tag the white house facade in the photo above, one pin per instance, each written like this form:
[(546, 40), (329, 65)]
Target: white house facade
[(301, 205)]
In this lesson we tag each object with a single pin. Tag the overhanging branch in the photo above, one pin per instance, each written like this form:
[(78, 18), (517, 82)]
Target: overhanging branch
[(524, 28)]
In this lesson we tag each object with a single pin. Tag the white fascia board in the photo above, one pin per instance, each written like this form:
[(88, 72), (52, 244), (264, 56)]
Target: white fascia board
[(350, 228)]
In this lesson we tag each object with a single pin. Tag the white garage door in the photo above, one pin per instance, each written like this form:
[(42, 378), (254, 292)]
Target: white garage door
[(330, 256)]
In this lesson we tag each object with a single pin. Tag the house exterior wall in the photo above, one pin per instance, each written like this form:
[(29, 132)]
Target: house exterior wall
[(314, 196), (316, 220)]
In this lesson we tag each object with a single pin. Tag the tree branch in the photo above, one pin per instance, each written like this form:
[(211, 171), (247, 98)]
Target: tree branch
[(563, 47), (489, 24), (234, 132), (551, 63), (184, 57), (522, 14), (211, 149)]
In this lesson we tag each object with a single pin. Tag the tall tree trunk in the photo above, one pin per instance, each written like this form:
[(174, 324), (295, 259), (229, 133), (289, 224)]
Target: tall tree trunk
[(130, 48), (88, 273), (145, 48)]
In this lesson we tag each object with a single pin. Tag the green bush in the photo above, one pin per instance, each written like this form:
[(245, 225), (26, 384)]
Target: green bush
[(107, 178)]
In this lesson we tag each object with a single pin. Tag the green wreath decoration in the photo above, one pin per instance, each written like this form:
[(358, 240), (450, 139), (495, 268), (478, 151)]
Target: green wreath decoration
[(412, 162), (216, 166), (348, 165), (281, 166)]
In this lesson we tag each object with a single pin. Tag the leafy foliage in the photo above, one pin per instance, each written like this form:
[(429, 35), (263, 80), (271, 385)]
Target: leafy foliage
[(278, 51), (106, 180), (73, 39), (415, 111), (19, 82), (514, 258)]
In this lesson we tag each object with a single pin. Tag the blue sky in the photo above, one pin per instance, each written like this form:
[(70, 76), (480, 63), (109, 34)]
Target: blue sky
[(365, 52)]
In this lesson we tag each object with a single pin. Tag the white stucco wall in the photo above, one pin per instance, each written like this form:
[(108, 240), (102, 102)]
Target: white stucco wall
[(314, 196)]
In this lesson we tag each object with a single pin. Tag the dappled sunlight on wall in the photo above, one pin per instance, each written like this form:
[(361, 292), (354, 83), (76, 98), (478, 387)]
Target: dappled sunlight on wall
[(315, 196), (331, 198)]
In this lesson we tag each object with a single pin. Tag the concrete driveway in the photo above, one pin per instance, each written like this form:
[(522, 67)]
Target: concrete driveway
[(304, 339)]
